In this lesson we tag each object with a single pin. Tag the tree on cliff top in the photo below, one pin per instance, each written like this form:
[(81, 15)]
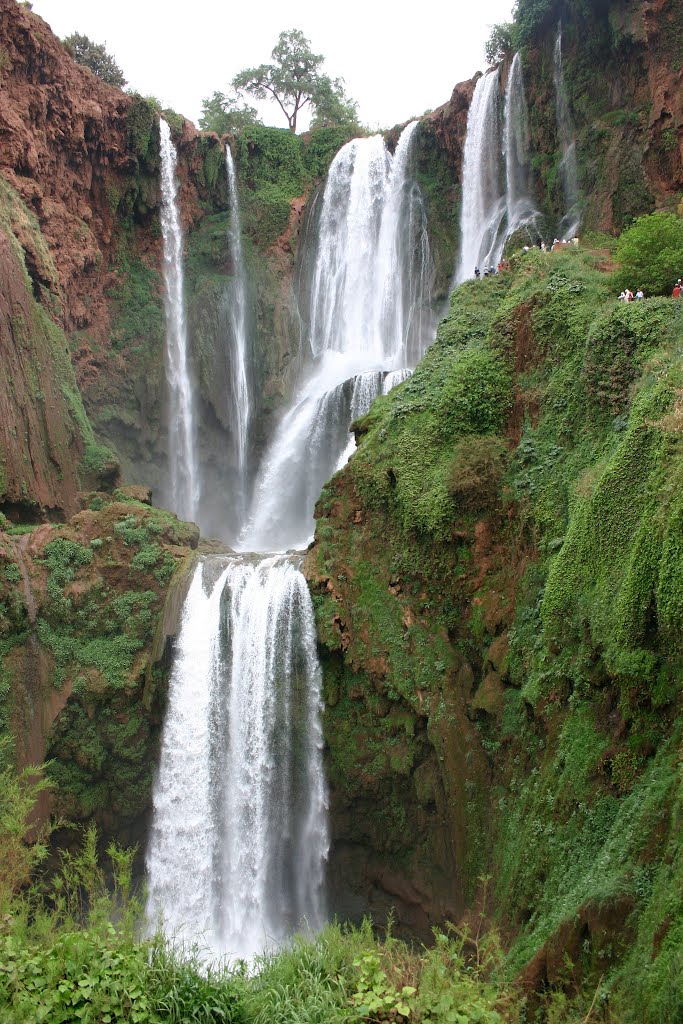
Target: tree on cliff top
[(294, 80), (94, 56), (225, 114)]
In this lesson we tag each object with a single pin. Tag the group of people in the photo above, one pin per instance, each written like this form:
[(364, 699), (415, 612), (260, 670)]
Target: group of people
[(628, 296), (490, 271), (540, 244)]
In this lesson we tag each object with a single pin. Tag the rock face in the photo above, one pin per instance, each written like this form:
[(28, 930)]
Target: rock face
[(622, 72), (84, 630), (63, 139), (83, 158), (40, 442)]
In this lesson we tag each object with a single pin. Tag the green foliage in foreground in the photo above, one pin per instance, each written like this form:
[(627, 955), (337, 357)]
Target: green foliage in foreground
[(651, 253), (70, 951)]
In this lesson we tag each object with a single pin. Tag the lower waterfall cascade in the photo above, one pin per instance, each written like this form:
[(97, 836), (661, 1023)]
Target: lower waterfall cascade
[(240, 834), (239, 838)]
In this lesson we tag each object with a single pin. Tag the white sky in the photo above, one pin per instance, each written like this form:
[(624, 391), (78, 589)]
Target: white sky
[(396, 61)]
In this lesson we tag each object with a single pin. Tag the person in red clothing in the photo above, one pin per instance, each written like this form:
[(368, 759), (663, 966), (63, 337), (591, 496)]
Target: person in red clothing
[(676, 292)]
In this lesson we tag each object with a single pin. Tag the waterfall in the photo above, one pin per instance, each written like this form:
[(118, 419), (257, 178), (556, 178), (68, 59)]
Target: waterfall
[(373, 267), (568, 170), (495, 188), (520, 208), (238, 321), (368, 315), (311, 444), (182, 441), (240, 839), (484, 203)]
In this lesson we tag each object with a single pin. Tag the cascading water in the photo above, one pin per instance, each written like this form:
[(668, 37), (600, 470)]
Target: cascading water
[(368, 315), (568, 169), (238, 318), (483, 197), (495, 189), (521, 210), (373, 268), (239, 839), (183, 495), (311, 444)]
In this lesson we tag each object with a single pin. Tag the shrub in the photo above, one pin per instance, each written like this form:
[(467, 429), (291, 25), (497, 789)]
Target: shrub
[(651, 253), (476, 471), (499, 43), (94, 56)]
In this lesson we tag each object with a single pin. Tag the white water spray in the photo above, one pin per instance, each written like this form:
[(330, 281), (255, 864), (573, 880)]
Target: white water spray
[(238, 848), (240, 838), (568, 170), (238, 320), (495, 188), (368, 315), (373, 267), (521, 210), (182, 441), (483, 198)]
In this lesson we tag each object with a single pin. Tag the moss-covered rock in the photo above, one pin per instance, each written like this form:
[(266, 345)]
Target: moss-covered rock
[(504, 666), (83, 645)]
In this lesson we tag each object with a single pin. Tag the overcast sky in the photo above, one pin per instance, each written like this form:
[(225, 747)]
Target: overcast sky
[(396, 61)]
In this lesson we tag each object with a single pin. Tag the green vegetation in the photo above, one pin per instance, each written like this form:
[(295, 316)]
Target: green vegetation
[(226, 115), (69, 951), (508, 535), (650, 253), (98, 612), (95, 56), (138, 327), (499, 43), (275, 167)]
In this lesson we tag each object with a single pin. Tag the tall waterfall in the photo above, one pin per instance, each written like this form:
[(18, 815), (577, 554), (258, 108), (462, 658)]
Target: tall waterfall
[(568, 169), (240, 837), (495, 189), (373, 267), (483, 196), (182, 441), (238, 320), (368, 315), (519, 205)]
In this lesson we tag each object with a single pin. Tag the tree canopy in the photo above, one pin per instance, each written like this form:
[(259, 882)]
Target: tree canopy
[(224, 114), (650, 253), (95, 56), (499, 43), (294, 80)]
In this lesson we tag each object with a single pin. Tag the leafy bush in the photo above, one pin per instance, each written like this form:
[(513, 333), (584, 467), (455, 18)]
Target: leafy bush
[(95, 56), (499, 43), (618, 341), (226, 114), (477, 470), (533, 15), (651, 253)]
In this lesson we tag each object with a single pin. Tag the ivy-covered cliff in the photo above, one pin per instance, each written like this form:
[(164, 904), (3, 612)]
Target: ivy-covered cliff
[(496, 576)]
